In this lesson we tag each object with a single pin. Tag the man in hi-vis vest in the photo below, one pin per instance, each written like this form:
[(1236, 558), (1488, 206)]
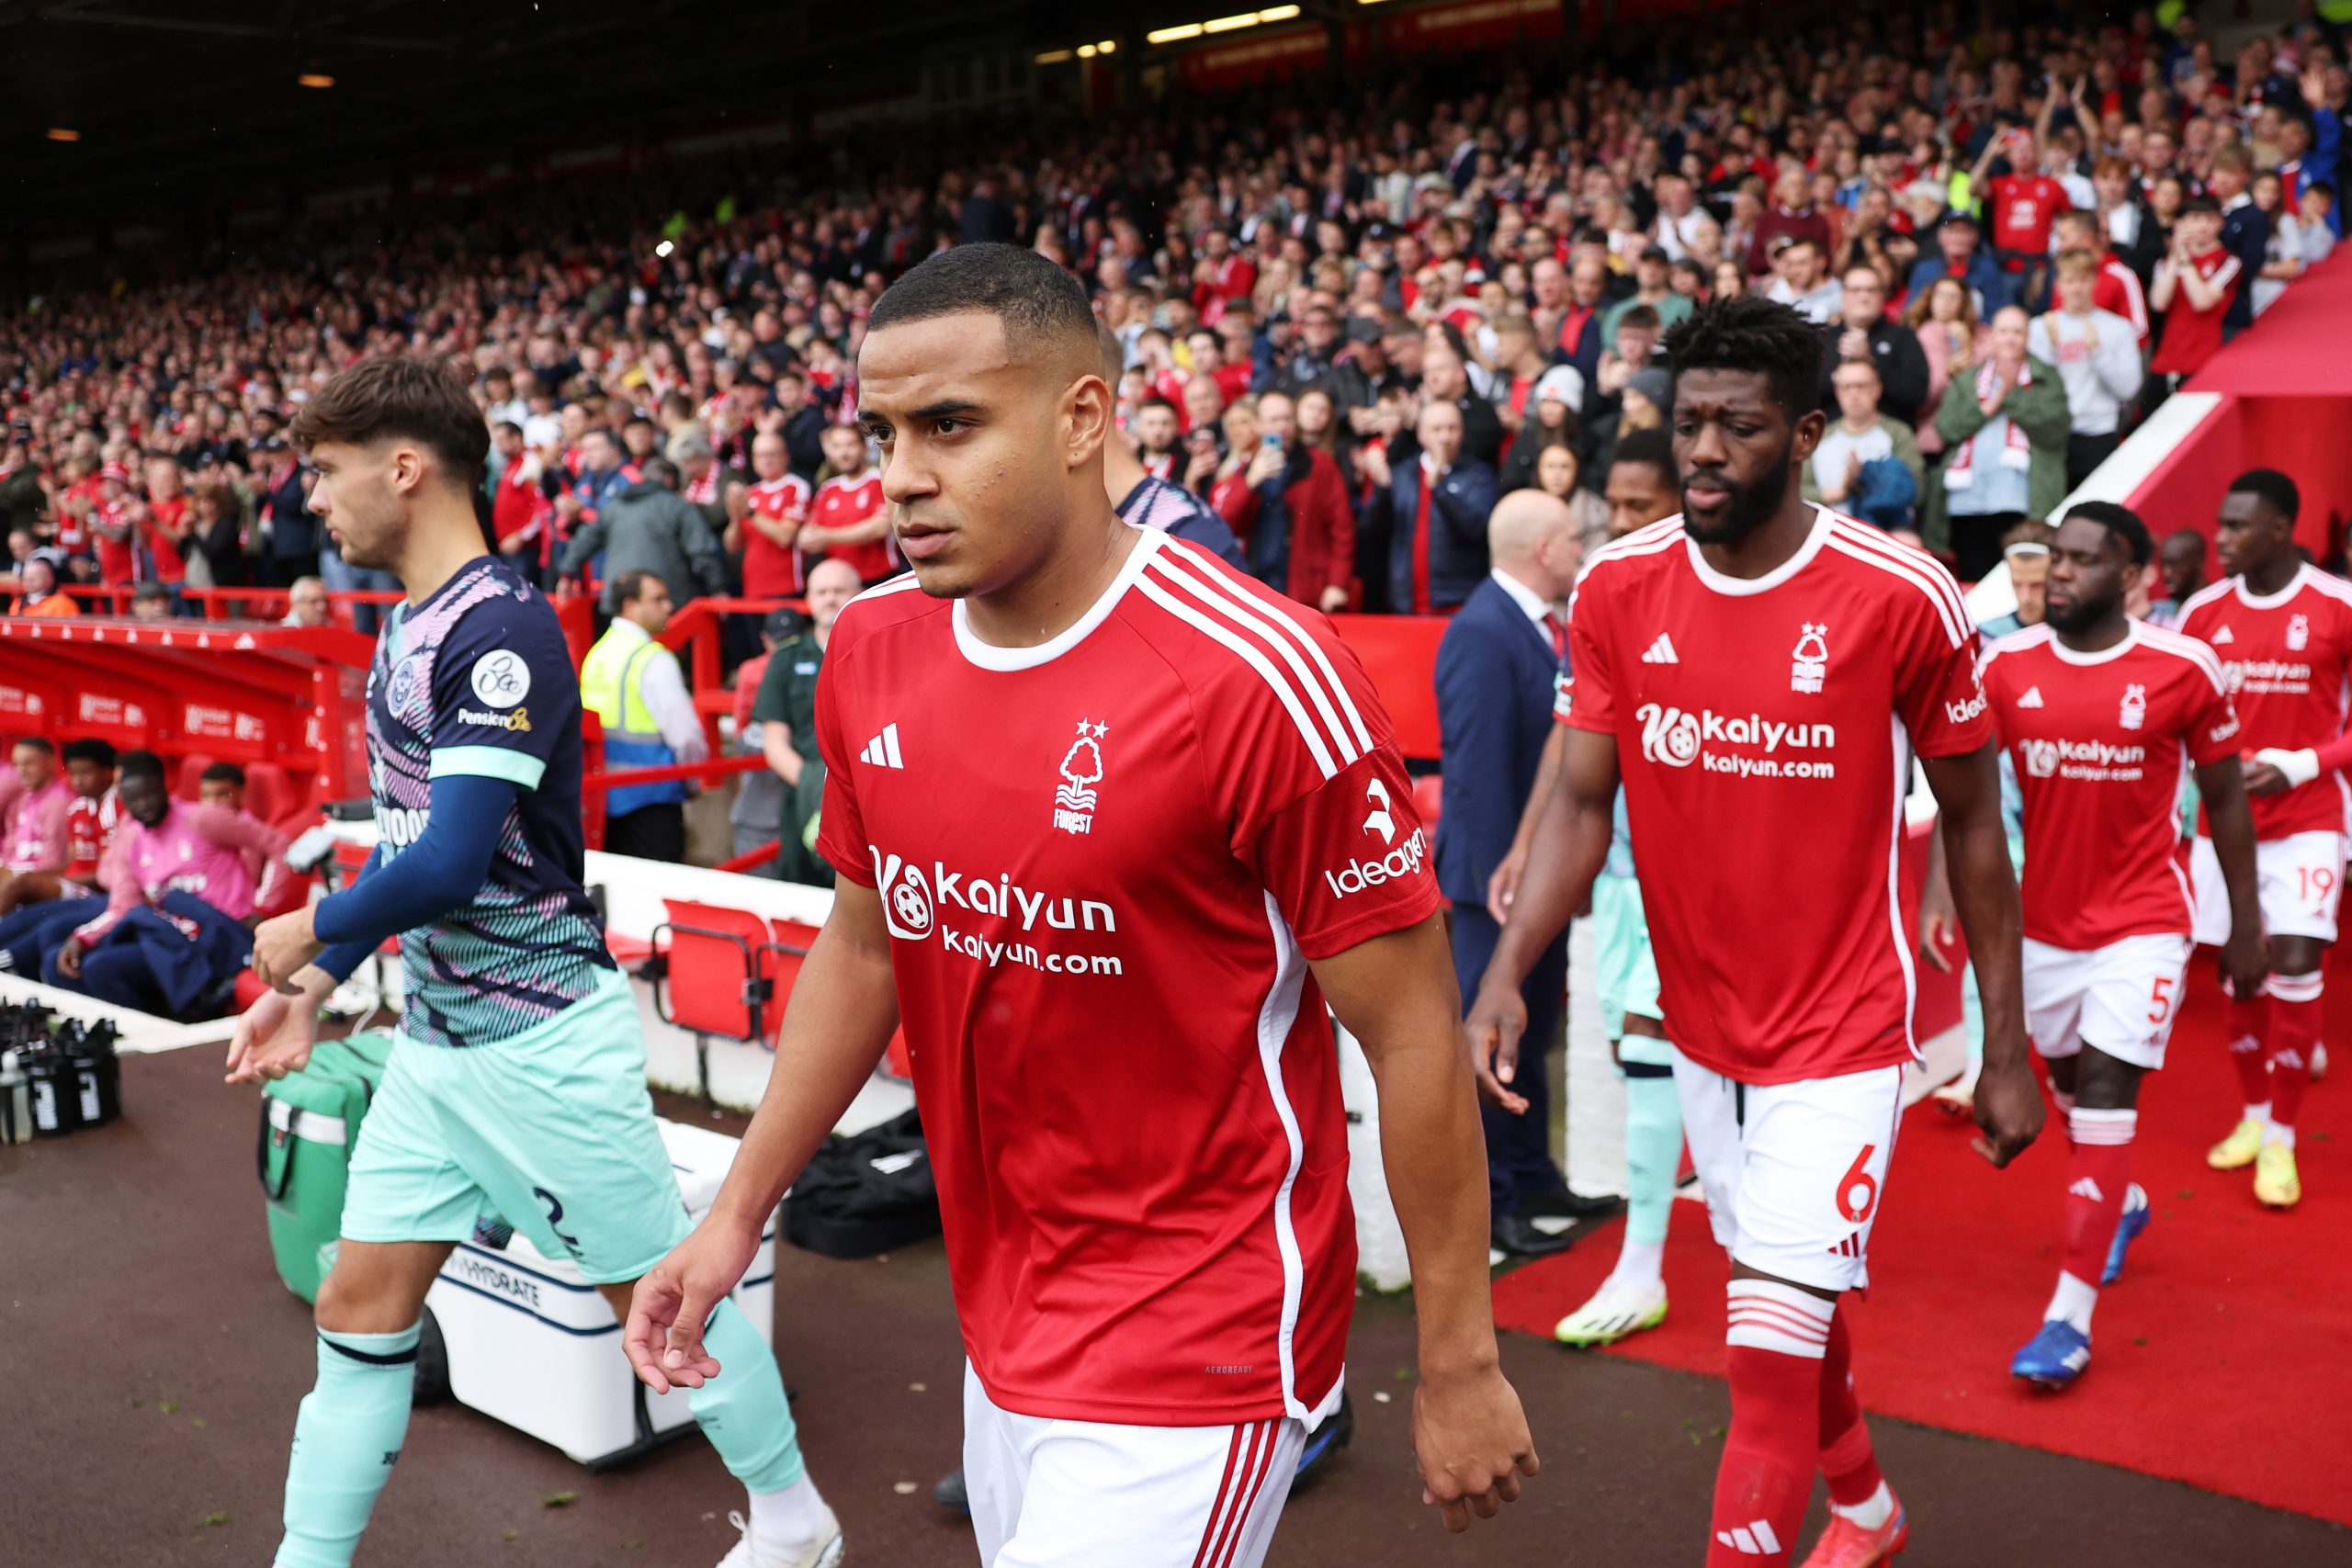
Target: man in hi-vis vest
[(635, 688)]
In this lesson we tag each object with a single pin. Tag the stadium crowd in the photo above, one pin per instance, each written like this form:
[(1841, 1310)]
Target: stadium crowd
[(1348, 325)]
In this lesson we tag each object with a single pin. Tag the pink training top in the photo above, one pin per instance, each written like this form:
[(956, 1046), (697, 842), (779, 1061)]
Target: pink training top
[(196, 848), (36, 836)]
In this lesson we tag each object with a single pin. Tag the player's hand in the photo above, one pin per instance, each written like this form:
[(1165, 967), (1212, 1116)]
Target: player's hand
[(2009, 1110), (1471, 1444), (274, 1038), (2246, 962), (1503, 885), (675, 1298), (2265, 778), (282, 946), (69, 958), (1335, 599), (1496, 1020), (1938, 926)]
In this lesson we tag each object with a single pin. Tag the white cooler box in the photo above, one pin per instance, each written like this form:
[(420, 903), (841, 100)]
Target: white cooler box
[(533, 1344)]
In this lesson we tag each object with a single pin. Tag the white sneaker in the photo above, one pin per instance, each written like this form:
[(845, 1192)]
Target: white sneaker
[(1619, 1308), (746, 1553)]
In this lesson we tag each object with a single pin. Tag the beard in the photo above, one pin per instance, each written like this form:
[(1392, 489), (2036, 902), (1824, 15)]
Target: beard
[(1752, 505), (2081, 615)]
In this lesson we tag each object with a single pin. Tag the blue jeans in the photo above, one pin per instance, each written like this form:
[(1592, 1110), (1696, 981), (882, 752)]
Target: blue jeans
[(341, 576)]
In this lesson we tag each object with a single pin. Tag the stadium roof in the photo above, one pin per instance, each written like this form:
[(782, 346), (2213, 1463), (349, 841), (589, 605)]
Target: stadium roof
[(104, 102)]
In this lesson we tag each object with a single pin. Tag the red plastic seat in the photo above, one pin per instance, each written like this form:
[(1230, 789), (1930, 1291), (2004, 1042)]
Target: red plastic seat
[(191, 775), (716, 976), (788, 948)]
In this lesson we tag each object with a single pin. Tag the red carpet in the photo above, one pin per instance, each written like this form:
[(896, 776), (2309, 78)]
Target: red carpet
[(2223, 1356)]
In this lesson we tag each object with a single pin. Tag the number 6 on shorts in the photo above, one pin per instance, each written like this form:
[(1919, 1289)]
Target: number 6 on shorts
[(1859, 1182)]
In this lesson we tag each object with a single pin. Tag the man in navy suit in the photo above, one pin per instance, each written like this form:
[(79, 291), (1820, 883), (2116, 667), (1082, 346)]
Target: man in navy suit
[(1497, 670), (1434, 511)]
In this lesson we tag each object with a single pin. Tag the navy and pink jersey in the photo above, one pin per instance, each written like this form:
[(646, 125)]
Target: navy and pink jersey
[(476, 680)]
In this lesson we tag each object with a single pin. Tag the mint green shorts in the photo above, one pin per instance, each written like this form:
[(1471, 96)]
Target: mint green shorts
[(1628, 979), (551, 1131)]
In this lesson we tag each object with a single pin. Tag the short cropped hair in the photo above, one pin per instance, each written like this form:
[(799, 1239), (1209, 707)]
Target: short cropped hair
[(1033, 297), (2273, 486), (140, 765), (224, 772), (394, 396), (2122, 522), (1753, 333), (89, 750), (1654, 448)]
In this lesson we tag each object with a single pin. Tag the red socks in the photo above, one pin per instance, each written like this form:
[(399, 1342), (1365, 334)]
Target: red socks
[(1847, 1462), (2250, 1046), (2098, 1168), (1778, 1339), (2294, 1034)]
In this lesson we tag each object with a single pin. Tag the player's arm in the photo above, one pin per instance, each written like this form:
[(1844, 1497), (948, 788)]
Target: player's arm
[(835, 1029), (1570, 846), (2244, 960), (2275, 769), (1396, 995), (866, 530), (1984, 890), (444, 869)]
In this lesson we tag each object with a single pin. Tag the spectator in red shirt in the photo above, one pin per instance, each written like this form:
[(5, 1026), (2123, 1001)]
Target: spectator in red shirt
[(1221, 274), (2023, 204), (848, 520), (167, 521), (1292, 511), (2195, 283), (519, 509), (1792, 216), (1156, 425)]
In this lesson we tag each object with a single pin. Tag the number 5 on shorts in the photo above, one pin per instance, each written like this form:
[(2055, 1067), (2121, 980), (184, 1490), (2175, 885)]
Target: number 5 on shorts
[(1858, 1183), (2161, 998)]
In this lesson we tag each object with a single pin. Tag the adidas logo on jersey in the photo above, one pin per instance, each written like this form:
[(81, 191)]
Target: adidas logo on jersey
[(1661, 651), (2085, 1187), (882, 750), (2032, 698), (1850, 1247), (1756, 1539), (2224, 635)]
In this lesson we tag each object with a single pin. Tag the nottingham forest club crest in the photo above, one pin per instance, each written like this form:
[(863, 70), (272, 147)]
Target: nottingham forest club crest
[(1809, 661), (1081, 770)]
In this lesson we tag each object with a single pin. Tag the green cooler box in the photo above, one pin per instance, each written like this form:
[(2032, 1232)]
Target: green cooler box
[(310, 1121)]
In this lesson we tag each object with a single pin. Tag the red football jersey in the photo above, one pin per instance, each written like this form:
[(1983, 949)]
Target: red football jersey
[(2288, 659), (2023, 207), (89, 833), (843, 500), (772, 571), (1765, 730), (1105, 862), (2100, 742), (2193, 336)]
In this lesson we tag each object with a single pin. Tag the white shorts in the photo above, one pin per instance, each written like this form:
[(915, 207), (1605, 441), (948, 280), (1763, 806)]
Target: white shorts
[(1794, 1172), (1050, 1493), (2122, 998), (2301, 878)]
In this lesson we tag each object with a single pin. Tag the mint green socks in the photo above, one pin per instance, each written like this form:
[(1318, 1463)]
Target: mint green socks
[(743, 1410), (1653, 1153), (349, 1431)]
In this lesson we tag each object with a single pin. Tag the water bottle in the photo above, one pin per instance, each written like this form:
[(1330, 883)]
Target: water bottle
[(16, 1102)]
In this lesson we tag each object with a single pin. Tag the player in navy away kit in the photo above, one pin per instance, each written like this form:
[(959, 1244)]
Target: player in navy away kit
[(517, 1086)]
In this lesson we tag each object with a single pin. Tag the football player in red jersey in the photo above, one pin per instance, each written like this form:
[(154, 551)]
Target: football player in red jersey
[(2101, 714), (1112, 821), (2282, 630), (1759, 672)]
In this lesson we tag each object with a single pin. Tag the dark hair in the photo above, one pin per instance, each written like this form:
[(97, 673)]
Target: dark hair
[(38, 743), (2200, 204), (224, 772), (661, 472), (150, 588), (2273, 486), (139, 765), (1755, 334), (630, 586), (89, 750), (1157, 401), (390, 396), (2318, 187), (1640, 318), (1033, 297), (506, 425), (2120, 522), (1654, 448)]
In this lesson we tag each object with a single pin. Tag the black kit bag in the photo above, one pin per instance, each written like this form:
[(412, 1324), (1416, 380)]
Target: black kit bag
[(864, 1194)]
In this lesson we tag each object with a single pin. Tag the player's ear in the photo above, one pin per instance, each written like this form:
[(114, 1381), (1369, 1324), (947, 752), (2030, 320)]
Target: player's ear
[(1810, 427), (1089, 407)]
